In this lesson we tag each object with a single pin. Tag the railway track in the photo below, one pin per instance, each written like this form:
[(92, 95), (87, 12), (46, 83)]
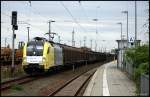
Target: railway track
[(68, 88), (54, 83), (21, 80)]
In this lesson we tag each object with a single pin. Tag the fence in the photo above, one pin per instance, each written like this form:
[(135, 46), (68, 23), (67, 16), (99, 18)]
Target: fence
[(144, 85), (128, 67), (144, 79)]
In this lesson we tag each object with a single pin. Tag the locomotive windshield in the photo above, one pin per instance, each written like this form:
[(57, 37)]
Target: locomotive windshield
[(35, 48)]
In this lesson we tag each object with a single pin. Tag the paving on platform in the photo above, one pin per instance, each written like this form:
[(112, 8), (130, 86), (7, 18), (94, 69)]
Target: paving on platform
[(110, 81)]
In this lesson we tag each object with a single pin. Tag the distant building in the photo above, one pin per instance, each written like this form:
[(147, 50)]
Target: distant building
[(122, 45)]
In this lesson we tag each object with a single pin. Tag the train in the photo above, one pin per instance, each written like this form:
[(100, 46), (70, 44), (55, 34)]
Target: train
[(6, 54), (40, 55)]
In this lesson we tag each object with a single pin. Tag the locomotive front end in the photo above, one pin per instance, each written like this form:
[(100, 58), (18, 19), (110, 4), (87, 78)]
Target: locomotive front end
[(33, 60)]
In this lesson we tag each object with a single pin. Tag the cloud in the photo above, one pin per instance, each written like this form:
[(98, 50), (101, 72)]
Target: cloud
[(108, 15)]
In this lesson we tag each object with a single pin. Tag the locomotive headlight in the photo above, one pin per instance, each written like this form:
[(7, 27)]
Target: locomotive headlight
[(24, 60), (43, 59)]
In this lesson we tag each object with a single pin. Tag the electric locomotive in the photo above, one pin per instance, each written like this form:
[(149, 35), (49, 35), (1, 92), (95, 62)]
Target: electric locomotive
[(38, 55)]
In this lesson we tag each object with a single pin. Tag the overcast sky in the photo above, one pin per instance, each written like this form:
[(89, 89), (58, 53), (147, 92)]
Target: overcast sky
[(108, 14)]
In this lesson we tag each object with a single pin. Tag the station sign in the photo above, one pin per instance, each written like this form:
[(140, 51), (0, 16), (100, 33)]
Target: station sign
[(131, 39)]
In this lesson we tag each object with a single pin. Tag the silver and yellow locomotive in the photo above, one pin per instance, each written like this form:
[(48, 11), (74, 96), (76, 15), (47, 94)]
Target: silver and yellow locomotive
[(39, 55)]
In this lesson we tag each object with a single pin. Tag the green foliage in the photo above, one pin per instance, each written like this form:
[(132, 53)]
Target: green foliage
[(16, 87), (140, 58), (130, 53), (143, 68), (6, 72), (138, 55), (141, 55)]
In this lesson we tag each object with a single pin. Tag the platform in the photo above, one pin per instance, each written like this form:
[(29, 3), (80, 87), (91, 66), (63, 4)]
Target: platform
[(110, 81)]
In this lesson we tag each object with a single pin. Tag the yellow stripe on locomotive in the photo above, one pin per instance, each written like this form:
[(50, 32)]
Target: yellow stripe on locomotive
[(48, 56)]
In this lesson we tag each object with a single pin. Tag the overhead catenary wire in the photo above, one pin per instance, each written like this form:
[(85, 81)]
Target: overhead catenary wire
[(21, 22), (85, 13), (31, 9), (42, 17), (27, 22), (72, 16)]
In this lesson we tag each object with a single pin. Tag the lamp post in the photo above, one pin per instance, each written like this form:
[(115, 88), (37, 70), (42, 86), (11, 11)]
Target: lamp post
[(50, 28), (84, 41), (28, 33), (96, 33), (58, 38), (91, 44), (96, 24), (126, 12), (135, 25), (95, 46), (73, 41), (5, 41), (80, 43), (120, 23)]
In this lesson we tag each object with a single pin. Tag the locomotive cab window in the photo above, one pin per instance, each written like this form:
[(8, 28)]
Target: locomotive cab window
[(34, 48)]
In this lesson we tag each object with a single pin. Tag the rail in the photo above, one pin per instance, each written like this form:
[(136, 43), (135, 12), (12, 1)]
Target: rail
[(69, 88), (24, 79)]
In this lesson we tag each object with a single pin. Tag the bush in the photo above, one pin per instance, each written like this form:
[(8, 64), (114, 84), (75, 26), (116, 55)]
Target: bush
[(143, 68), (140, 58)]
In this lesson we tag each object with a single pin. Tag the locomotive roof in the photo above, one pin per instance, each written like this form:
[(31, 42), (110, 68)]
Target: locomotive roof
[(35, 43)]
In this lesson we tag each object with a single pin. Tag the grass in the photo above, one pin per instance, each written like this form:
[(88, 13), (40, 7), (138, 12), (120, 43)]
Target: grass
[(17, 87), (6, 72)]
